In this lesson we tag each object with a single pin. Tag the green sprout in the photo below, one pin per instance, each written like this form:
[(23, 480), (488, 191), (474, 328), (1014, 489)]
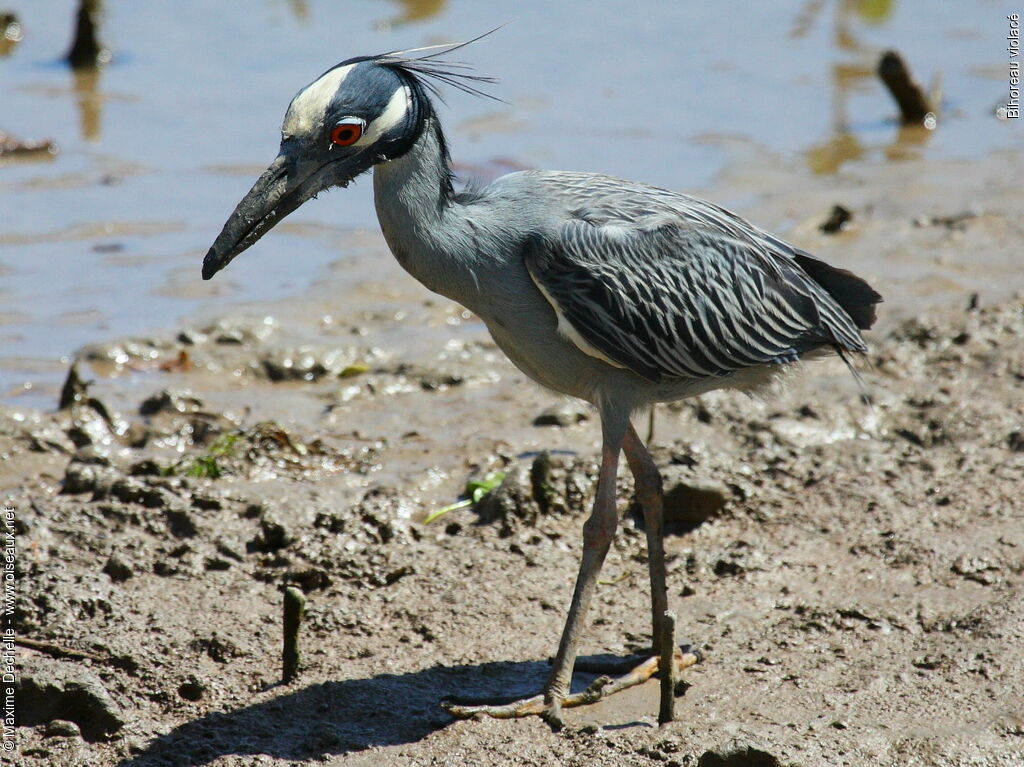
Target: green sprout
[(476, 489), (206, 466)]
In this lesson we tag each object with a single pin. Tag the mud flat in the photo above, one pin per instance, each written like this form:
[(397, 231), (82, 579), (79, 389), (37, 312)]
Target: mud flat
[(854, 575)]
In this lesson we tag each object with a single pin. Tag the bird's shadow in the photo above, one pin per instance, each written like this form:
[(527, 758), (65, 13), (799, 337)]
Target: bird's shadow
[(334, 718)]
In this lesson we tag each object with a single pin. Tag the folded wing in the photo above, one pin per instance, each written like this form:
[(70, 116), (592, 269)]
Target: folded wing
[(677, 300)]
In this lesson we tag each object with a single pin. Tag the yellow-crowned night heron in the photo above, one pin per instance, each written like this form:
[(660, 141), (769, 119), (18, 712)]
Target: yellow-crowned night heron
[(612, 291)]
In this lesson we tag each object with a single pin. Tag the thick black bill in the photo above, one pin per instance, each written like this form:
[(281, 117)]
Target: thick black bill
[(271, 198)]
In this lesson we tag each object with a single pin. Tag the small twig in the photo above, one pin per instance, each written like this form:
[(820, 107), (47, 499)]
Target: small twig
[(294, 606), (11, 146), (604, 686), (913, 104), (599, 689), (527, 707), (667, 667), (614, 581), (59, 651)]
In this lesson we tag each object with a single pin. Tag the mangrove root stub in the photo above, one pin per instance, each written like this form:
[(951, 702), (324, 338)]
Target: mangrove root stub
[(74, 388), (667, 669), (913, 104), (294, 606), (86, 50)]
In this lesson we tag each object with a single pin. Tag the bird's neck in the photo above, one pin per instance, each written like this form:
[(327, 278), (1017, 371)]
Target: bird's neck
[(419, 215)]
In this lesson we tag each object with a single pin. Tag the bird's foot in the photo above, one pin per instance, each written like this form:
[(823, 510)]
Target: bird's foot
[(599, 689)]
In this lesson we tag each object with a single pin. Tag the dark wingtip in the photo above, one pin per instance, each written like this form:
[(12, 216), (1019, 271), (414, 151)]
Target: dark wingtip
[(211, 264), (851, 292)]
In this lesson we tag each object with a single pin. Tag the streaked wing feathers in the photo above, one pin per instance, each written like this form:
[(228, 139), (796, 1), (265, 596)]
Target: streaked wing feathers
[(681, 301)]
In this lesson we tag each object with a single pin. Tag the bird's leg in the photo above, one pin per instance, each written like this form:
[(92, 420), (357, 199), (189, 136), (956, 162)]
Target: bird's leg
[(598, 532), (651, 496), (597, 537)]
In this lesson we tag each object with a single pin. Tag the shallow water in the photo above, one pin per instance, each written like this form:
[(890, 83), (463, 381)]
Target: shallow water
[(106, 238)]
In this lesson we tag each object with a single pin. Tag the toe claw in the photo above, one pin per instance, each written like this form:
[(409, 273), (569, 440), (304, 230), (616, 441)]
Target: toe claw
[(552, 714)]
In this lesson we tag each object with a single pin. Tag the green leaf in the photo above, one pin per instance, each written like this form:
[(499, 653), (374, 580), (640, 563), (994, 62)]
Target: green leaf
[(476, 489), (446, 509), (355, 369)]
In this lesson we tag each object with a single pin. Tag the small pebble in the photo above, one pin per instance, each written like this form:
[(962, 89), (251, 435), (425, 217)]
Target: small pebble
[(61, 728)]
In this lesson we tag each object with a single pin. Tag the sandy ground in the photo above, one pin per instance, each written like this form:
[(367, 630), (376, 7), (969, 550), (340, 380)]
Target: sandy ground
[(854, 575)]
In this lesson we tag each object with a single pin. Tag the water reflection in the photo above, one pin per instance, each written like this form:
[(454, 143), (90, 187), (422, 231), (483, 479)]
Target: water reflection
[(849, 79), (89, 100), (844, 146), (416, 10), (411, 11), (875, 11), (10, 33), (909, 141), (300, 9), (846, 79), (806, 18), (829, 157), (870, 11)]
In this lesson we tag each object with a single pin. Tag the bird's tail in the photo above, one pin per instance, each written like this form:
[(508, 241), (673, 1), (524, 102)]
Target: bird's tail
[(854, 295)]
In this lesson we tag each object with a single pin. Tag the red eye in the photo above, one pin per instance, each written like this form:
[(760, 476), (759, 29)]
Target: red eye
[(346, 134)]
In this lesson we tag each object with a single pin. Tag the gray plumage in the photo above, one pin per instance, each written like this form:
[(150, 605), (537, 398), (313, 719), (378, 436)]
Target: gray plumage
[(680, 295), (689, 291), (609, 290)]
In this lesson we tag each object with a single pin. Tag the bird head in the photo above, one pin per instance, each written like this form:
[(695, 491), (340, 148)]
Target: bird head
[(364, 111), (353, 116)]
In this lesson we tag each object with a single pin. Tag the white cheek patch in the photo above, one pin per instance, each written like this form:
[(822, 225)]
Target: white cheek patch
[(393, 114), (307, 109)]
